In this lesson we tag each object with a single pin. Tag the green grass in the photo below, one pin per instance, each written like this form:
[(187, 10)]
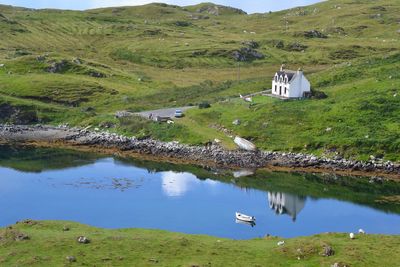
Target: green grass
[(158, 55), (49, 245)]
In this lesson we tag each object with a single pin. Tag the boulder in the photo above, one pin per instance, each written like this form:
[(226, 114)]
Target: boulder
[(314, 34), (251, 44), (328, 251), (57, 67), (247, 54), (21, 237), (83, 240), (296, 46), (236, 122), (70, 259), (96, 74), (123, 114)]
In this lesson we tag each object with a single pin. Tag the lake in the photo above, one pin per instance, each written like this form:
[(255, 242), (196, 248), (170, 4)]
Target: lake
[(52, 184)]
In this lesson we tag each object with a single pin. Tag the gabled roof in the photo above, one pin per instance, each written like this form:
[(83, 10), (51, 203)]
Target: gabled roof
[(290, 74)]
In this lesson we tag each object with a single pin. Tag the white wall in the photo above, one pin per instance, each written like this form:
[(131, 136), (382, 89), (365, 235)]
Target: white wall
[(296, 88)]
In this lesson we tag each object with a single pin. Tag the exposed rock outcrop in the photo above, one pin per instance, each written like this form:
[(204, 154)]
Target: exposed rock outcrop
[(247, 54), (314, 34), (17, 115), (217, 10)]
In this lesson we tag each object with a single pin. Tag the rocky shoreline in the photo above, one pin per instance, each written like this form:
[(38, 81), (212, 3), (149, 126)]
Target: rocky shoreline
[(212, 154)]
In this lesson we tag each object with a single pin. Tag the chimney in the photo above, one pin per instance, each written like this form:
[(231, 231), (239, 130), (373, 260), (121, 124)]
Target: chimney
[(299, 72)]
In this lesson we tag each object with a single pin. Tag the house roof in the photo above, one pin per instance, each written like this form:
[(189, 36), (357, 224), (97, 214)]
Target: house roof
[(289, 73)]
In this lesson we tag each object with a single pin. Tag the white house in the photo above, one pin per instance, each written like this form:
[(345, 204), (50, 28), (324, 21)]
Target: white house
[(290, 84)]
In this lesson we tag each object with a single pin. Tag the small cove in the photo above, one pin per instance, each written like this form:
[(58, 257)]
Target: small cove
[(51, 184)]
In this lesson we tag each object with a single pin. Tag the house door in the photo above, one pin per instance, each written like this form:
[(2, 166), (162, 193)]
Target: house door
[(280, 90)]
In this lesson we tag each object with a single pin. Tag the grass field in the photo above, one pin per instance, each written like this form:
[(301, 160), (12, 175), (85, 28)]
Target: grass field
[(49, 245), (80, 67)]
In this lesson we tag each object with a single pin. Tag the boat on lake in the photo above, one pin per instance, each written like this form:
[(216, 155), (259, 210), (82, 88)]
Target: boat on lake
[(244, 144), (245, 218)]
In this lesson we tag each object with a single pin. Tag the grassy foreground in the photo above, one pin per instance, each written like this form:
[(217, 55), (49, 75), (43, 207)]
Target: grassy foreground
[(50, 245)]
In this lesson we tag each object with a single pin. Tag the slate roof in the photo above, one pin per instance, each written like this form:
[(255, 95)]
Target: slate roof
[(289, 73)]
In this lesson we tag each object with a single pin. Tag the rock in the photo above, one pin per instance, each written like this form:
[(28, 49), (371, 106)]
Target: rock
[(83, 240), (361, 231), (337, 30), (58, 67), (296, 46), (21, 237), (107, 124), (278, 44), (328, 251), (251, 44), (281, 243), (182, 23), (245, 158), (2, 65), (123, 114), (70, 259), (65, 228), (96, 74), (314, 34), (17, 115), (77, 61), (236, 122), (247, 54), (217, 10), (41, 58), (339, 264)]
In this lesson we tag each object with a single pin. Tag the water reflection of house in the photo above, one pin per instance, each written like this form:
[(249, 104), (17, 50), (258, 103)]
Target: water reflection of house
[(284, 203)]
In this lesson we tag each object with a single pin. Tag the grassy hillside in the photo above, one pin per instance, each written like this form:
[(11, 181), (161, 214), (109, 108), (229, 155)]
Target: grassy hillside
[(81, 67), (49, 245)]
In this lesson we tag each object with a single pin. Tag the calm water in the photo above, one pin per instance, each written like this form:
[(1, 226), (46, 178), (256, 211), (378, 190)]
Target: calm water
[(112, 193)]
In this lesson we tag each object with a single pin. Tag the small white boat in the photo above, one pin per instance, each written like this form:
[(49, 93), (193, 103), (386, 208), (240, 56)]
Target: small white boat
[(244, 144), (245, 218)]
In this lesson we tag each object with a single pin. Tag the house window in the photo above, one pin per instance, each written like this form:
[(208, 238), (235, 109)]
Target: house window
[(276, 88)]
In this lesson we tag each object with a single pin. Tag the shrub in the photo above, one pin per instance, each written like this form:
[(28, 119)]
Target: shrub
[(318, 94), (343, 54), (204, 105), (182, 23)]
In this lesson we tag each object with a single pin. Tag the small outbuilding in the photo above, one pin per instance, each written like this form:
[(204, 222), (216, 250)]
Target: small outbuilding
[(290, 84)]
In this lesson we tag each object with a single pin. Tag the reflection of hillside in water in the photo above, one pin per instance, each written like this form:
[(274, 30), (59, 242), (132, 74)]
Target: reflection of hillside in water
[(33, 159), (284, 203)]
